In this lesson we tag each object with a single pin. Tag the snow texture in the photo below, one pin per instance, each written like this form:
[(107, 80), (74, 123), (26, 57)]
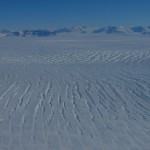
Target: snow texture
[(80, 93)]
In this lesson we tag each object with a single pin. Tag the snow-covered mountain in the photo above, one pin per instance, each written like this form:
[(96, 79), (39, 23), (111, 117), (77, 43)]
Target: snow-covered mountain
[(53, 32), (123, 30)]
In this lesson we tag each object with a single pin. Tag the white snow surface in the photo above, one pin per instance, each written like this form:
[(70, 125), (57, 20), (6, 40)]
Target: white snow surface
[(75, 93)]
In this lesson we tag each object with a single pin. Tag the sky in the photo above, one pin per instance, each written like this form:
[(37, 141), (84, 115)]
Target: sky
[(39, 14)]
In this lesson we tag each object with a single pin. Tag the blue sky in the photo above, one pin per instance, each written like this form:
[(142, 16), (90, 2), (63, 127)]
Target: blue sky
[(22, 14)]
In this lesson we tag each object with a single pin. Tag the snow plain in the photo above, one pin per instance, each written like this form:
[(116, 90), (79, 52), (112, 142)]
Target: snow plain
[(86, 92)]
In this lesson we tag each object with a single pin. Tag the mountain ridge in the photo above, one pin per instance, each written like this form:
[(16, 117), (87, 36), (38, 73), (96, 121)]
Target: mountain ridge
[(82, 29)]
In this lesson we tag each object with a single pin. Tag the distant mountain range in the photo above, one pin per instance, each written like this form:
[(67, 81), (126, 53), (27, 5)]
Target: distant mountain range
[(82, 30)]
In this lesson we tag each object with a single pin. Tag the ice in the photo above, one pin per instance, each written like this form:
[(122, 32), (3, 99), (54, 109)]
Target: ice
[(86, 92)]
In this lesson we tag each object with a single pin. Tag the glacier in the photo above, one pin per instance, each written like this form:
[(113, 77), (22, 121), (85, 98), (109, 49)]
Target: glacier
[(75, 92)]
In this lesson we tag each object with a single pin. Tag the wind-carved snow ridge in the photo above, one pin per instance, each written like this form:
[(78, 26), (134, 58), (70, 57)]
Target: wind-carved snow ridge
[(81, 57), (80, 95)]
